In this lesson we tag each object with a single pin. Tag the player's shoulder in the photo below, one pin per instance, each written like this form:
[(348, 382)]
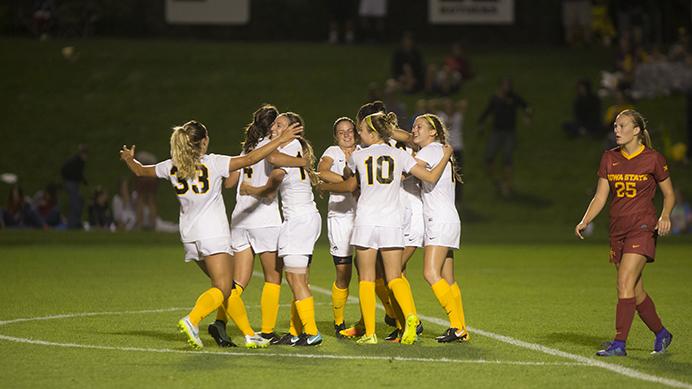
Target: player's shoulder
[(333, 151), (291, 146)]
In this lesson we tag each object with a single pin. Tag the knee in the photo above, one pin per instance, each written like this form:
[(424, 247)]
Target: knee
[(225, 288), (431, 275)]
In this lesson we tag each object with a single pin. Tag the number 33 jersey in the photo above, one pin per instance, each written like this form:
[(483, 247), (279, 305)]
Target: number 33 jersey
[(202, 210), (378, 168), (632, 179)]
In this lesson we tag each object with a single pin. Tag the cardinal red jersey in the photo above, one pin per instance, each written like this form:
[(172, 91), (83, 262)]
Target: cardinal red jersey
[(633, 179)]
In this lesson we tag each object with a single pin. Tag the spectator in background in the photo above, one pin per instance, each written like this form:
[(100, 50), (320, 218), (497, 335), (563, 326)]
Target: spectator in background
[(391, 99), (146, 188), (457, 61), (453, 117), (407, 65), (503, 107), (46, 204), (342, 13), (619, 104), (73, 177), (19, 213), (124, 212), (100, 215), (372, 15), (586, 111), (681, 216)]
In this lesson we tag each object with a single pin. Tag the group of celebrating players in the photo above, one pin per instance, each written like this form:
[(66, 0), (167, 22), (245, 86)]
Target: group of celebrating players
[(391, 192)]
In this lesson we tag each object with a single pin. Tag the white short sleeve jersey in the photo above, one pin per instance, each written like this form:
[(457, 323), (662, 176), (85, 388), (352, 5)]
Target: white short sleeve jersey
[(251, 211), (202, 211), (340, 204), (296, 189), (378, 168), (438, 199)]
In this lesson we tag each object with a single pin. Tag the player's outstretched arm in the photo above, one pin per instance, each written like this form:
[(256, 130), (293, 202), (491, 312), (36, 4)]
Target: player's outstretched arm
[(267, 190), (280, 159), (325, 173), (347, 186), (432, 176), (259, 154), (663, 225), (400, 135), (232, 180), (595, 206), (128, 155)]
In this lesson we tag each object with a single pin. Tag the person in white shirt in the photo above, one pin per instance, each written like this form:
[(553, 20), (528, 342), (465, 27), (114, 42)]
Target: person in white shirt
[(442, 224), (342, 211), (197, 179), (378, 169), (255, 224), (300, 230)]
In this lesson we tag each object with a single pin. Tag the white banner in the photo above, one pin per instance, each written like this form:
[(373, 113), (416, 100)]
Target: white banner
[(471, 11), (207, 11)]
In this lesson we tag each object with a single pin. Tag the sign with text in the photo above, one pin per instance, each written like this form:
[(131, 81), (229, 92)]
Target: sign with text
[(471, 11), (207, 11)]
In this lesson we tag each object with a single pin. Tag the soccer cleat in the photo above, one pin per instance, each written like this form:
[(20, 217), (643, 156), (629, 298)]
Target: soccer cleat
[(255, 341), (353, 331), (663, 340), (337, 330), (419, 328), (390, 321), (308, 340), (367, 339), (409, 336), (191, 332), (394, 337), (285, 340), (217, 330), (616, 348), (453, 335), (269, 335)]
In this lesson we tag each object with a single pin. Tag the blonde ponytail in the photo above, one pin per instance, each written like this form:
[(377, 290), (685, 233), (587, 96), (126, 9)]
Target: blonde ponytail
[(186, 147), (442, 134)]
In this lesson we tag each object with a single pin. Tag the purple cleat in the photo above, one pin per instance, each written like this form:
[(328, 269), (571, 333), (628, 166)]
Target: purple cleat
[(616, 348), (663, 340)]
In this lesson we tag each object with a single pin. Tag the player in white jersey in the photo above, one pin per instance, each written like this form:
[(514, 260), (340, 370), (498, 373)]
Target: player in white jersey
[(342, 211), (378, 169), (299, 232), (442, 224), (197, 179), (255, 226)]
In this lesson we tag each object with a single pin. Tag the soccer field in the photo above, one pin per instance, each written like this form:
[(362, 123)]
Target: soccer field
[(99, 310)]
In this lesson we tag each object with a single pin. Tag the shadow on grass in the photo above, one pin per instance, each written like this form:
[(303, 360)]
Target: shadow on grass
[(573, 338)]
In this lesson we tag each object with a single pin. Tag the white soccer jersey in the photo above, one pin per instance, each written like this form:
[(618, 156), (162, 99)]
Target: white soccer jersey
[(295, 189), (252, 211), (202, 211), (379, 169), (438, 199), (340, 204)]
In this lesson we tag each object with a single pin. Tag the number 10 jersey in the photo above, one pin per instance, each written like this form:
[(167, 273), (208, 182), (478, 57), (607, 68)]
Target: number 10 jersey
[(378, 169)]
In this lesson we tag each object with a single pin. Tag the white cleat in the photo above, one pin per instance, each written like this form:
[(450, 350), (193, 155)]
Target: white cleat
[(191, 332), (256, 341)]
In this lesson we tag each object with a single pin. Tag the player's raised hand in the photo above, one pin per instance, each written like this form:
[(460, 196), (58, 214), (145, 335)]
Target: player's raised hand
[(292, 132), (127, 154), (663, 225), (579, 228)]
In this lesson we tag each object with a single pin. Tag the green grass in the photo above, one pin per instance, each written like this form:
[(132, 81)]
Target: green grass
[(121, 91), (560, 295)]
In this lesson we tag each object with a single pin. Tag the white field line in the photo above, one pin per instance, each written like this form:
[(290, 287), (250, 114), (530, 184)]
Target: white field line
[(231, 353), (625, 371)]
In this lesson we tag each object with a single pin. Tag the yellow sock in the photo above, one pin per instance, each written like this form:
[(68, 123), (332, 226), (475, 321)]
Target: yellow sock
[(339, 297), (306, 311), (236, 311), (403, 295), (381, 290), (295, 326), (366, 294), (403, 277), (206, 303), (398, 314), (443, 292), (270, 306), (456, 297)]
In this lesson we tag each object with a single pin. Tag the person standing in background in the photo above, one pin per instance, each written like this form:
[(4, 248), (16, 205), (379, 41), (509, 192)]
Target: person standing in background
[(73, 176)]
